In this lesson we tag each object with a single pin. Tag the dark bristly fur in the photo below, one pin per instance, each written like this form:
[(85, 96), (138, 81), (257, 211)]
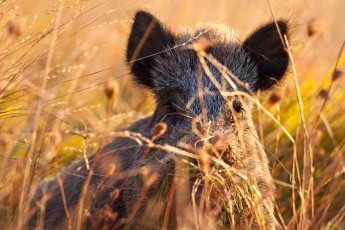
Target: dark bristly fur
[(133, 183)]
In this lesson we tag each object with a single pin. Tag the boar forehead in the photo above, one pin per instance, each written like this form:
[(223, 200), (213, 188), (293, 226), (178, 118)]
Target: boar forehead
[(177, 69)]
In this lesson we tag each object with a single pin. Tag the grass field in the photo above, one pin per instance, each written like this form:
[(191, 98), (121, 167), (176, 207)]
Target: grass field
[(56, 57)]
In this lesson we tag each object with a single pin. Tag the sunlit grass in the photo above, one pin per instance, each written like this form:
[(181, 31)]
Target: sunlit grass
[(56, 58)]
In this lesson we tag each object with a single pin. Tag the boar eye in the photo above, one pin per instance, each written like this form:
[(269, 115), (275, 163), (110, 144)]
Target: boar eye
[(237, 106)]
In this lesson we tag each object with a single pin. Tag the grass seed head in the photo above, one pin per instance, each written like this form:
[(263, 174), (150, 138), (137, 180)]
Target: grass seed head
[(14, 29), (158, 130), (274, 99), (323, 94), (337, 74), (316, 26), (111, 88)]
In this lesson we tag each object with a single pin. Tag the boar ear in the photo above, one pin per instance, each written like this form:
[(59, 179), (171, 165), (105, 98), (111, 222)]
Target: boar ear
[(268, 53), (148, 37)]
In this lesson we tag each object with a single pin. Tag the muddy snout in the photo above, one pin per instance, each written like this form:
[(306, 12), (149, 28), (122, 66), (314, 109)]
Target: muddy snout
[(217, 145)]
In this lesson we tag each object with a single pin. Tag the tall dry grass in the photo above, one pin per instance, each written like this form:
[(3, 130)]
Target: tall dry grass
[(56, 57)]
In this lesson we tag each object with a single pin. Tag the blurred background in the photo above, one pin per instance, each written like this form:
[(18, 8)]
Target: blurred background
[(57, 56)]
